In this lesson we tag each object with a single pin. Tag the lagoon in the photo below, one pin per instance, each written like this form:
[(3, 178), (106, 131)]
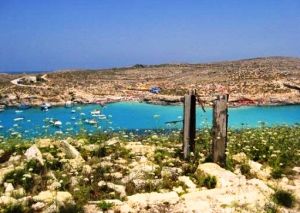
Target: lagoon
[(132, 116)]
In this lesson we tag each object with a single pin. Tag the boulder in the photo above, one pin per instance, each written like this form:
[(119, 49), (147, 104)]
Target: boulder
[(112, 141), (224, 177), (48, 197), (257, 169), (154, 198), (34, 153), (8, 188), (170, 171), (187, 181), (44, 196), (6, 200), (117, 188), (70, 151), (38, 206), (248, 197), (43, 143)]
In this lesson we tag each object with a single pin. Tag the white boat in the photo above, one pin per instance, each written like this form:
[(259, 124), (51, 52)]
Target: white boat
[(68, 104), (102, 117), (73, 110), (45, 106), (96, 112), (91, 121), (57, 123), (1, 127), (18, 119), (18, 111)]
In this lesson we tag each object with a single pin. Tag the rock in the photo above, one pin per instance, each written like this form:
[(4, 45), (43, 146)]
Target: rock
[(70, 151), (74, 182), (51, 209), (54, 186), (112, 141), (6, 200), (86, 170), (91, 147), (19, 192), (240, 158), (187, 181), (91, 208), (64, 198), (258, 170), (250, 197), (48, 197), (153, 198), (224, 177), (179, 190), (139, 149), (170, 171), (44, 196), (38, 206), (117, 175), (15, 159), (34, 153), (43, 143), (8, 188), (296, 169), (117, 188), (4, 171), (74, 164)]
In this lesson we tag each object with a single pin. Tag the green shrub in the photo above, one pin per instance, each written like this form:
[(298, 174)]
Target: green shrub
[(17, 178), (284, 198), (245, 170), (14, 208), (276, 172), (35, 166), (104, 206), (71, 208), (210, 182)]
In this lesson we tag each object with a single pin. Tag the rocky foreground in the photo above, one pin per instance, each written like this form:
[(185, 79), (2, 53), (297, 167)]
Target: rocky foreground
[(76, 175)]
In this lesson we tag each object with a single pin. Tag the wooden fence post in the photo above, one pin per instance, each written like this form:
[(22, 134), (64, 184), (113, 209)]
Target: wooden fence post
[(189, 123), (219, 129)]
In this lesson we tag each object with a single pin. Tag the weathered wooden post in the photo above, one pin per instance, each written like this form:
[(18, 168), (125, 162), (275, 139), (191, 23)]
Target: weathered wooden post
[(219, 129), (189, 124)]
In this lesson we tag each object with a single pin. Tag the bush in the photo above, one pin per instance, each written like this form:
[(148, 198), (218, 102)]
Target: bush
[(245, 170), (14, 208), (71, 208), (104, 206), (284, 198), (210, 182)]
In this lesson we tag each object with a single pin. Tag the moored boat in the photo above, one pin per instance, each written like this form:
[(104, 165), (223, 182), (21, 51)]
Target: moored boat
[(96, 112), (68, 104), (45, 106)]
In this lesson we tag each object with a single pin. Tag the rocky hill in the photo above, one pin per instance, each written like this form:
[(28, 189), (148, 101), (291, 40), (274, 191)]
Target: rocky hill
[(262, 80)]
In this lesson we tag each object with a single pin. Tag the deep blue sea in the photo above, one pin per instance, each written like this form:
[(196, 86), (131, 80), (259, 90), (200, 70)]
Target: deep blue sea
[(132, 116)]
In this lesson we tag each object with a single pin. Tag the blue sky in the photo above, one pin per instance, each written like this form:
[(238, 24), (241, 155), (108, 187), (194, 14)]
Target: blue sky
[(59, 34)]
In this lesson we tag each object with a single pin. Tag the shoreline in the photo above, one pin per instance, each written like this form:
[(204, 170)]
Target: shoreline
[(154, 102)]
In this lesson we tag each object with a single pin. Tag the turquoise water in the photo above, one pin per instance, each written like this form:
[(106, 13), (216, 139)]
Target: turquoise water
[(132, 116)]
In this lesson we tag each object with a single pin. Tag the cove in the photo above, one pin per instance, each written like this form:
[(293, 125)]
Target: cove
[(133, 116)]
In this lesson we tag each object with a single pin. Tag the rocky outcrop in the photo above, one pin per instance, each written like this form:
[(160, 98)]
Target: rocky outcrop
[(34, 153)]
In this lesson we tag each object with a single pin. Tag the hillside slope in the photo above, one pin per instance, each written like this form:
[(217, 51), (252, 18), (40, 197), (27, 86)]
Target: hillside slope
[(261, 79)]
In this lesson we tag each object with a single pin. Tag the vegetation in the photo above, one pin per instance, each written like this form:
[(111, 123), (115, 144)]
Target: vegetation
[(284, 198), (109, 159)]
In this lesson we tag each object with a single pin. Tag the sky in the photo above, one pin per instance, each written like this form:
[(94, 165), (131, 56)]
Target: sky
[(45, 35)]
